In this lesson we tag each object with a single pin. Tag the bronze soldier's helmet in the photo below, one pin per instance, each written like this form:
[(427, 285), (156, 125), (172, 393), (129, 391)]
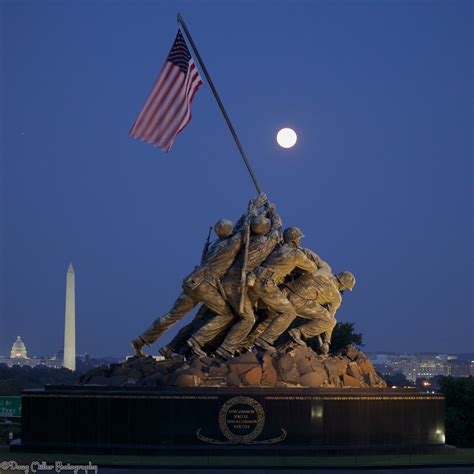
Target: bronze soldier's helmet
[(260, 225), (292, 234), (223, 228), (347, 280)]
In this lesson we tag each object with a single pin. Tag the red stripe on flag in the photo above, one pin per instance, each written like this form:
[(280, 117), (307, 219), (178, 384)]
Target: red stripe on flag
[(169, 119), (183, 125), (160, 98), (165, 71), (170, 131), (167, 110)]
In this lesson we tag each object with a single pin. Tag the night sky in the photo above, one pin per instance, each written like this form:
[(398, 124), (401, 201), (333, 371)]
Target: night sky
[(380, 181)]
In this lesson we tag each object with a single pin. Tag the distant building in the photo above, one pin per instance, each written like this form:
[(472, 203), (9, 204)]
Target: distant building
[(69, 359), (429, 365), (422, 366), (403, 364), (18, 349), (83, 357), (385, 370), (379, 359), (460, 368), (19, 356)]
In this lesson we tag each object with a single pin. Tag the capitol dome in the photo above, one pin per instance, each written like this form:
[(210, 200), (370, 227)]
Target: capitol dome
[(18, 349)]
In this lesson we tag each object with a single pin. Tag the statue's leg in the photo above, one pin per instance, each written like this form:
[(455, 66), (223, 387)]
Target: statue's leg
[(182, 306), (328, 333), (280, 304), (322, 324), (179, 341), (212, 298), (321, 321), (240, 330), (264, 318)]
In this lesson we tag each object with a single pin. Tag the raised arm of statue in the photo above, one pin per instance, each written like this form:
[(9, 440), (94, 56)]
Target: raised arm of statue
[(304, 263), (323, 267), (274, 217), (253, 209)]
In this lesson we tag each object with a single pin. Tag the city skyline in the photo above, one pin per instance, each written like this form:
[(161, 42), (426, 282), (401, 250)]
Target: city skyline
[(53, 353), (380, 180)]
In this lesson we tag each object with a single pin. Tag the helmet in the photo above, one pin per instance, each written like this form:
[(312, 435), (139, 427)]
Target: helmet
[(223, 228), (260, 225), (347, 280), (291, 234)]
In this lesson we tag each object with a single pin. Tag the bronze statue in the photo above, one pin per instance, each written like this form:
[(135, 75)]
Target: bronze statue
[(265, 235), (203, 285), (265, 279), (252, 269), (317, 297), (266, 315)]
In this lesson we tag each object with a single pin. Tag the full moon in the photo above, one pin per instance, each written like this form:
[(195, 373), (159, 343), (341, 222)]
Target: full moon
[(286, 137)]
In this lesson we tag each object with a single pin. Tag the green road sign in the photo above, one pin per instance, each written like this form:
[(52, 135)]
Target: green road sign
[(10, 406)]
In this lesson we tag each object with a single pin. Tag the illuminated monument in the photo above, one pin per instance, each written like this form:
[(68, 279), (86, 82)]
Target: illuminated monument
[(70, 322), (18, 349), (238, 378), (292, 399)]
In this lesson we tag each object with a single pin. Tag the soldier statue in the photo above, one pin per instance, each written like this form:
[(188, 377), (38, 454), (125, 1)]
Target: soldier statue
[(266, 315), (252, 269), (317, 297), (203, 285), (265, 235), (264, 280)]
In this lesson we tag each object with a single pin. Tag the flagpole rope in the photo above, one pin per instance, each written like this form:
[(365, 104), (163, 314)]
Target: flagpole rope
[(221, 105)]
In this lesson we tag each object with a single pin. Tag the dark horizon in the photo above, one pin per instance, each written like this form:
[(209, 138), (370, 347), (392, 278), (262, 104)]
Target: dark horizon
[(380, 180)]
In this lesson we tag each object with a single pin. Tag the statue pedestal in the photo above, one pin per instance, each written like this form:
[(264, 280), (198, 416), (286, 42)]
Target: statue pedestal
[(101, 419)]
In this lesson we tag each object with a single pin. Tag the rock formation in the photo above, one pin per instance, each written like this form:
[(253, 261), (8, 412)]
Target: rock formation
[(300, 367)]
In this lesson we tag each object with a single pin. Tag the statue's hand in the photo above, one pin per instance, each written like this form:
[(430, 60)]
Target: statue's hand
[(260, 201), (271, 209)]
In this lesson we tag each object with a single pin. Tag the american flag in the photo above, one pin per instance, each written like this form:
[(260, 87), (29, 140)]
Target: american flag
[(168, 109)]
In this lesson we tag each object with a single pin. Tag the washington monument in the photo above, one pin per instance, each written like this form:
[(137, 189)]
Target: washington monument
[(69, 361)]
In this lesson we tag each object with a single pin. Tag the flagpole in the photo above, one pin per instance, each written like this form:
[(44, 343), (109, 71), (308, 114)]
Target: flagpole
[(219, 102)]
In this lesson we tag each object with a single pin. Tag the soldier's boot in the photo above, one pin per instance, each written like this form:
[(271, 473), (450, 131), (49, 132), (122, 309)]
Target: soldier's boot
[(195, 347), (325, 349), (224, 353), (245, 349), (166, 352), (137, 345), (287, 346), (295, 334), (264, 345)]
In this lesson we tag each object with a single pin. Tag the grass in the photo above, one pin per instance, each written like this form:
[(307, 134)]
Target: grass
[(458, 458)]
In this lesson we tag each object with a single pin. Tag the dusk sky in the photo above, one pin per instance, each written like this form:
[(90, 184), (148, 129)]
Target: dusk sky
[(380, 181)]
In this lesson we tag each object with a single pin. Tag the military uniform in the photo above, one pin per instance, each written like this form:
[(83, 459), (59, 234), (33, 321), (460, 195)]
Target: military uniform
[(259, 247), (323, 267), (272, 273), (201, 286), (178, 343), (269, 316), (313, 296)]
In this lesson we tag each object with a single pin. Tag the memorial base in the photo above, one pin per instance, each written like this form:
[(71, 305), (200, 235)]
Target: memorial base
[(221, 421)]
